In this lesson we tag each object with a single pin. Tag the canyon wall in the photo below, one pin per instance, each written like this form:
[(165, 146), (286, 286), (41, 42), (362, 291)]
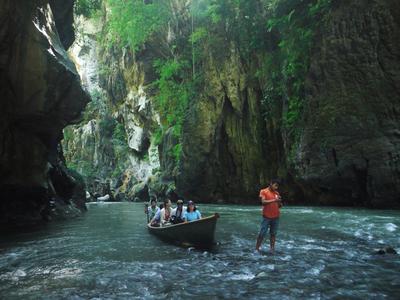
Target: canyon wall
[(40, 95)]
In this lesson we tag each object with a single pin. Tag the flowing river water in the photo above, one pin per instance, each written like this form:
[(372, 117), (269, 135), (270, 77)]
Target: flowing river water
[(322, 253)]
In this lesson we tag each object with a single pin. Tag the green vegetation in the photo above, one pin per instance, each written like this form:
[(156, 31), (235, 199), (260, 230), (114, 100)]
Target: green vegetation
[(120, 143), (175, 89), (273, 39), (293, 24), (131, 23), (84, 168), (174, 92), (87, 8), (157, 136), (177, 151), (107, 125)]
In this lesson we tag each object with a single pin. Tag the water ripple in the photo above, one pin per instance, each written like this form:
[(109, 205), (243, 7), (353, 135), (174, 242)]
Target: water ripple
[(108, 254)]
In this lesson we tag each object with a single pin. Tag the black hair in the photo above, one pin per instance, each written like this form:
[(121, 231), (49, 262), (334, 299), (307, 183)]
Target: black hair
[(194, 207), (275, 180)]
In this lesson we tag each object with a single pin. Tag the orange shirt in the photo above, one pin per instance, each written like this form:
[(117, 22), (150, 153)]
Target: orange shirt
[(270, 210)]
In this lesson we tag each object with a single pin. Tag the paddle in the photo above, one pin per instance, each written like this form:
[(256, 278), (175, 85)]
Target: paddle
[(146, 211)]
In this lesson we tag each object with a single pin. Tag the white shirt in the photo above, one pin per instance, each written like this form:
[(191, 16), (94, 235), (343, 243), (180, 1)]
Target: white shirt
[(182, 214)]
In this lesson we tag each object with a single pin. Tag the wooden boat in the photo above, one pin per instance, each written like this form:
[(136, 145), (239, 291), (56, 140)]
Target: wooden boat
[(199, 233)]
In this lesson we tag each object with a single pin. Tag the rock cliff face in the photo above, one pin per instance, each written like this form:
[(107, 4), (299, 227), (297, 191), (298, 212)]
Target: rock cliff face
[(345, 150), (112, 147), (225, 155), (349, 149), (40, 95)]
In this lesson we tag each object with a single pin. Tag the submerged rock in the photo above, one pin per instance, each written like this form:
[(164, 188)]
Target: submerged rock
[(385, 250)]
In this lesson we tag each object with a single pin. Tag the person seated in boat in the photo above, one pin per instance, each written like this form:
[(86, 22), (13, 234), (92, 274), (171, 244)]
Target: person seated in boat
[(178, 212), (155, 222), (192, 213), (153, 209), (165, 213)]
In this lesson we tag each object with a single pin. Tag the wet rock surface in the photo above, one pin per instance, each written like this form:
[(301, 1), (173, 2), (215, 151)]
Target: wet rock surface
[(385, 250), (348, 152), (40, 93)]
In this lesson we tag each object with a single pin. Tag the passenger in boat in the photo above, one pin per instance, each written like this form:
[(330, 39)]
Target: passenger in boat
[(192, 213), (155, 222), (152, 210), (165, 213), (178, 212)]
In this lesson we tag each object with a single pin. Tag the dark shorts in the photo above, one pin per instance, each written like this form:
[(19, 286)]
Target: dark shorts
[(272, 224)]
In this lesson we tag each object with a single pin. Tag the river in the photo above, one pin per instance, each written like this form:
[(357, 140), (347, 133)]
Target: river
[(321, 253)]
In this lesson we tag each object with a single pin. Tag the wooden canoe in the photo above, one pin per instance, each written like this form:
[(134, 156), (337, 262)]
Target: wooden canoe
[(199, 233)]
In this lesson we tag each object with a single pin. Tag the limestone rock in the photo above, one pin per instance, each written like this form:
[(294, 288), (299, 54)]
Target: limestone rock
[(40, 93), (348, 152), (223, 156), (114, 142)]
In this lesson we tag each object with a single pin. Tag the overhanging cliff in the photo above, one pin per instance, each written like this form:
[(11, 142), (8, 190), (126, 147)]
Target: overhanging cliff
[(40, 94)]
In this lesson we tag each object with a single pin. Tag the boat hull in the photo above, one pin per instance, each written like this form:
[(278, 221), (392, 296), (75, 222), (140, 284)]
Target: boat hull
[(197, 233)]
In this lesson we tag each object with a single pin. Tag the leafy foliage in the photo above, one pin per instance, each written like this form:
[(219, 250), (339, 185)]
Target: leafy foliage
[(174, 92), (119, 142), (131, 23), (177, 151), (107, 125), (175, 89), (294, 24), (275, 35), (83, 167), (87, 7)]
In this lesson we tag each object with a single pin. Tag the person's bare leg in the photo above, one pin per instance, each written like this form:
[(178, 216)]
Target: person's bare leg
[(259, 242), (272, 242)]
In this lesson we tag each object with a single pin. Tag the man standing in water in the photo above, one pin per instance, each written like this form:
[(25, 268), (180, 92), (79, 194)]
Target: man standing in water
[(271, 202)]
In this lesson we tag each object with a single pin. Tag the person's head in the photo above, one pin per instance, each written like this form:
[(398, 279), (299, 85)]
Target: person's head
[(191, 206), (179, 204), (274, 184), (167, 203), (153, 201)]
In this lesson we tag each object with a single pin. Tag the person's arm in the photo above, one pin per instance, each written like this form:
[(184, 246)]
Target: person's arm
[(153, 219), (199, 214), (184, 218), (263, 201)]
